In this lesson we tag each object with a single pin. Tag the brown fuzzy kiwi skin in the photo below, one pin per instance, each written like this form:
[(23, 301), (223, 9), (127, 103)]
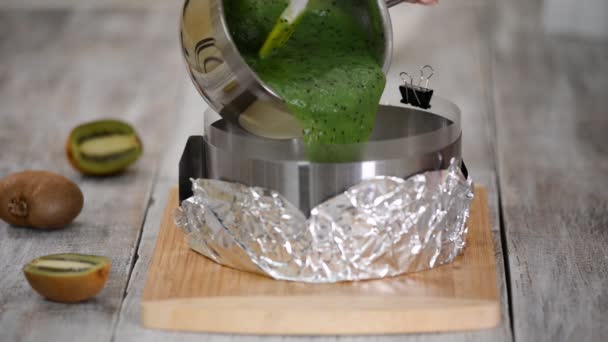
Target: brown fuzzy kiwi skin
[(39, 199), (69, 289)]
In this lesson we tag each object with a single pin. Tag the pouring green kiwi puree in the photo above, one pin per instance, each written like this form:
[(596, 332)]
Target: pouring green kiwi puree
[(326, 73)]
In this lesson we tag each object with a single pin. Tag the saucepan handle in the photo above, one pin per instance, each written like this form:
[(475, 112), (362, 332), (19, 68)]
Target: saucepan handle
[(391, 3)]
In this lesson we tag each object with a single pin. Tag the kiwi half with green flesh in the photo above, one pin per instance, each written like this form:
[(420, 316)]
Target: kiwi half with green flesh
[(68, 278), (103, 147)]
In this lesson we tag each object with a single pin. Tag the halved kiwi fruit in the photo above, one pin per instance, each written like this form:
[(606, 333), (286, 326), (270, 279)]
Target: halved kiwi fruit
[(68, 278), (103, 147)]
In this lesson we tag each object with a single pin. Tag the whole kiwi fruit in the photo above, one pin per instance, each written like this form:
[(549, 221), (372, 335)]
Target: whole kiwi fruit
[(39, 199)]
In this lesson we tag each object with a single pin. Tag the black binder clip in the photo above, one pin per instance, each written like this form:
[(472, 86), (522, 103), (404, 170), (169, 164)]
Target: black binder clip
[(417, 95)]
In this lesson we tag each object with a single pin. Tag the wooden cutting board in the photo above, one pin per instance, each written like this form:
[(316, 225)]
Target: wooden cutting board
[(186, 291)]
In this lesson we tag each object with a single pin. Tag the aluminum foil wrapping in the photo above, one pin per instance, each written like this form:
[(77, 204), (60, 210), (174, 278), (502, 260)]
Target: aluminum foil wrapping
[(382, 227)]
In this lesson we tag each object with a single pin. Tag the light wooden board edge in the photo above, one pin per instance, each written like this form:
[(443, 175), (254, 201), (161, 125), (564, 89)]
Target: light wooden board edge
[(265, 315), (321, 316)]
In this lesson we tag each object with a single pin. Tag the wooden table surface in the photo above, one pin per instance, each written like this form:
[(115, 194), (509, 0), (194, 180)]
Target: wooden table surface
[(535, 123)]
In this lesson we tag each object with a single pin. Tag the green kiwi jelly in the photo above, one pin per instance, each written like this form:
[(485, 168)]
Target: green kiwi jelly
[(326, 73)]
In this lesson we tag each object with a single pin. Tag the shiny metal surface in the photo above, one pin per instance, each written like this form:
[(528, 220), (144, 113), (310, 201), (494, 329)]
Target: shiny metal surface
[(398, 131), (381, 227), (391, 3), (405, 141), (223, 77)]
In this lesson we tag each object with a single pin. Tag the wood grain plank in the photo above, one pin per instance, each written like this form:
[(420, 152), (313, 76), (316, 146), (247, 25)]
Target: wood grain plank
[(167, 4), (186, 291), (60, 68), (89, 4), (551, 117), (457, 48)]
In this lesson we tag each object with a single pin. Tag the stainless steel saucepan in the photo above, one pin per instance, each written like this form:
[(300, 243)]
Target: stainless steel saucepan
[(405, 141), (220, 73)]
